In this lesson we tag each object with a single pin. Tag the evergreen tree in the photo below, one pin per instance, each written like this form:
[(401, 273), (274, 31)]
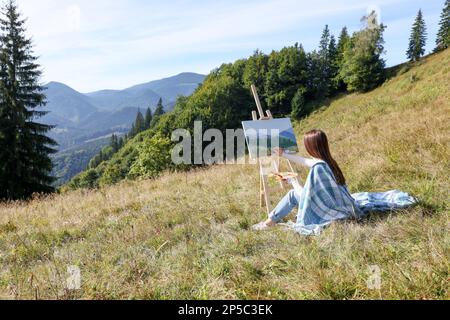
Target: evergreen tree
[(148, 118), (443, 36), (363, 68), (299, 109), (418, 39), (344, 39), (324, 77), (25, 164), (139, 124), (159, 111), (325, 41), (334, 66), (114, 143), (327, 48), (314, 80)]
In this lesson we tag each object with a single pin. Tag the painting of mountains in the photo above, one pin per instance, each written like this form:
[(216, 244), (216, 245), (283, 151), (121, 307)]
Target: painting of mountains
[(264, 136)]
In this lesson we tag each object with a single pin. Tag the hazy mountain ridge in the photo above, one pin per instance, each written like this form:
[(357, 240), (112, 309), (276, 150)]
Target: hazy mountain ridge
[(74, 113), (84, 120), (147, 94), (67, 104)]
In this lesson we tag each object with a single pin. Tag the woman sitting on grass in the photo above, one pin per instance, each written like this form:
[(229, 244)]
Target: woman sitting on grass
[(325, 197)]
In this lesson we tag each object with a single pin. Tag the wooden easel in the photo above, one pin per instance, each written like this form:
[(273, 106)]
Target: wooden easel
[(269, 164)]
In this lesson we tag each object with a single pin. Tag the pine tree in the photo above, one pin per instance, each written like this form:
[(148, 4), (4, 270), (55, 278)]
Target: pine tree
[(325, 83), (334, 67), (325, 41), (443, 36), (148, 118), (25, 164), (159, 111), (114, 143), (298, 104), (418, 39), (344, 40), (139, 124), (313, 68)]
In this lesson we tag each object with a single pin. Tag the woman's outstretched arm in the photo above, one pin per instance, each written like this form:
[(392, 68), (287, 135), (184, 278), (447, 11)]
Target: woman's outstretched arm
[(306, 162)]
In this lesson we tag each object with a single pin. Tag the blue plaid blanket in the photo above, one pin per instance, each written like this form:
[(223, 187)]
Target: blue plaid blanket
[(323, 201)]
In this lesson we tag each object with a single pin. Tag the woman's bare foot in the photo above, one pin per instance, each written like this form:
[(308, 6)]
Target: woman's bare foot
[(263, 225)]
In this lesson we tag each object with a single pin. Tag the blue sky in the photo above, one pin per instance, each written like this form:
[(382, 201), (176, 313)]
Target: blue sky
[(113, 44)]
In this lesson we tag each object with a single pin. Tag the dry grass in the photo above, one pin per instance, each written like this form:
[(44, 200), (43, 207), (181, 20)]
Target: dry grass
[(186, 235)]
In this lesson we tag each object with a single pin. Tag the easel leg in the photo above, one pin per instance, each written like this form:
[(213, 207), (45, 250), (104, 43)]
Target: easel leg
[(261, 191), (291, 168), (265, 182)]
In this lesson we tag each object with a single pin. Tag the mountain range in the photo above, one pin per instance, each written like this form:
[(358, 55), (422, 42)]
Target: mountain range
[(79, 117), (85, 121)]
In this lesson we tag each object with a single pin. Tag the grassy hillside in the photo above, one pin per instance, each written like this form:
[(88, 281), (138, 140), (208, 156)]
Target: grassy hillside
[(186, 235)]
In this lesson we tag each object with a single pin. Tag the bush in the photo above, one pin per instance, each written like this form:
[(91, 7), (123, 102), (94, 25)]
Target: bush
[(85, 180), (111, 175), (153, 157)]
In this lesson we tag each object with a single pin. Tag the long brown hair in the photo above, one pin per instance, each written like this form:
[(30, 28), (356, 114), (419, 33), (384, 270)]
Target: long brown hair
[(316, 143)]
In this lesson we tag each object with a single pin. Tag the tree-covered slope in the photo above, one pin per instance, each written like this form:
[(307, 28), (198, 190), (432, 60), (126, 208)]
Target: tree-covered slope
[(186, 235)]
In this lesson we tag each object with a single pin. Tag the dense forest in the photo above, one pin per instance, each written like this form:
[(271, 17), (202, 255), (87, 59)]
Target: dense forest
[(291, 83)]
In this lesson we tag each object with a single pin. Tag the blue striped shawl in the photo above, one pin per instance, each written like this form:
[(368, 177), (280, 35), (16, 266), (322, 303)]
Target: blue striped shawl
[(323, 201)]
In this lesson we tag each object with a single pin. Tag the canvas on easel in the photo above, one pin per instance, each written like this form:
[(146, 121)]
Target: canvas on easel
[(261, 133), (265, 136)]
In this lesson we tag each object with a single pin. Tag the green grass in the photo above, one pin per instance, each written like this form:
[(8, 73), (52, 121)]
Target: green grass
[(187, 235)]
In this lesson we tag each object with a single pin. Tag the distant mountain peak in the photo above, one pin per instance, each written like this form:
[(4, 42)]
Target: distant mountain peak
[(56, 84), (85, 114)]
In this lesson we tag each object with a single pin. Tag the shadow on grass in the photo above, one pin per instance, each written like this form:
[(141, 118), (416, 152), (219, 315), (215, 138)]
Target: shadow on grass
[(318, 104), (427, 210)]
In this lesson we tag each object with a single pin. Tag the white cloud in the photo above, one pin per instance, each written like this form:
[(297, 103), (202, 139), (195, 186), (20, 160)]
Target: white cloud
[(73, 18)]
